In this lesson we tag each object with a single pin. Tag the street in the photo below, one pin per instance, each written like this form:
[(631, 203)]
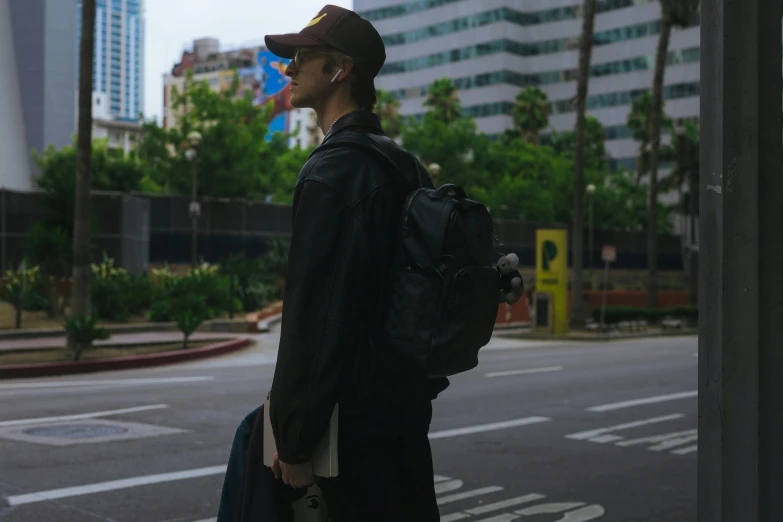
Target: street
[(540, 431)]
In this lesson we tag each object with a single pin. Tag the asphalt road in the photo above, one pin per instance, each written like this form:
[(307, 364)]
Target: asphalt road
[(539, 431)]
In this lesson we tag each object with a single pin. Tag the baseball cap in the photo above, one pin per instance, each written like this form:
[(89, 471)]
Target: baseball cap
[(338, 28)]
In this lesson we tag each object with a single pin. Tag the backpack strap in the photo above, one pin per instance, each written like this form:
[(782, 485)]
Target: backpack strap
[(361, 141)]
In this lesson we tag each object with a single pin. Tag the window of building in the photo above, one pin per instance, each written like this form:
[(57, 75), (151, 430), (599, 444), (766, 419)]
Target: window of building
[(519, 48)]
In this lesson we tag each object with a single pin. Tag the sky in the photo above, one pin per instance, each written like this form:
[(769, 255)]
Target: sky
[(172, 25)]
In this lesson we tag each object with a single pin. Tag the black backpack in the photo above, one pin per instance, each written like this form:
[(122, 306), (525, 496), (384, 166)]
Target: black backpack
[(442, 300)]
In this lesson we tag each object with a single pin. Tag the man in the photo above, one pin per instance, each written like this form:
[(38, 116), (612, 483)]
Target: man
[(346, 219)]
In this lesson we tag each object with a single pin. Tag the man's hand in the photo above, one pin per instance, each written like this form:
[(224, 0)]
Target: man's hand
[(295, 475)]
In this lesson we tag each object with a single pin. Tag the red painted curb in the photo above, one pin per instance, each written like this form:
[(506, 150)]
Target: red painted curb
[(120, 363)]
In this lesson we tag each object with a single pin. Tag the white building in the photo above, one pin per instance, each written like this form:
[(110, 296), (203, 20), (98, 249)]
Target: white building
[(493, 49)]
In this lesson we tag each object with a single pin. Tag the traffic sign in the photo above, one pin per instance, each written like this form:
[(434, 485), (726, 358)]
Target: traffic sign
[(609, 253)]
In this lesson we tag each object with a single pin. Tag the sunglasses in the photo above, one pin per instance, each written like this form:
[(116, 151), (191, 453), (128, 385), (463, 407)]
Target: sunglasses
[(303, 54)]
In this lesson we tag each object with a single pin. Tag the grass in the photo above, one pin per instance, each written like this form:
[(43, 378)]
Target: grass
[(103, 352)]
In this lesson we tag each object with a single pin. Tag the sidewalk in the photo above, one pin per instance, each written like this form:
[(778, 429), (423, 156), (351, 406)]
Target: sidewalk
[(44, 343)]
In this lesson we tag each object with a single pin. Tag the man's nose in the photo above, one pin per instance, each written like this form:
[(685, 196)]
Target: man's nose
[(290, 68)]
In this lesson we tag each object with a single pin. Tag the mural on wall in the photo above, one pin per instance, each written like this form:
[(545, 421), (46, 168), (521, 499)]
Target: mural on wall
[(270, 86)]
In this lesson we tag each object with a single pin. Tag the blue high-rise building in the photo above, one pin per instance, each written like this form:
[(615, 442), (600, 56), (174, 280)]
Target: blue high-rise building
[(118, 61)]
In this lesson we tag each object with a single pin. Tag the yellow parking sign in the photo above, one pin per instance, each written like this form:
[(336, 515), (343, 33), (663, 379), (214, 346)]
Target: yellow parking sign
[(551, 300)]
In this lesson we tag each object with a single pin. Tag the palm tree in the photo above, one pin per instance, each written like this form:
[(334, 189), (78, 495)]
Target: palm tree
[(388, 111), (585, 51), (80, 300), (674, 13), (443, 99), (685, 152), (531, 114), (638, 121)]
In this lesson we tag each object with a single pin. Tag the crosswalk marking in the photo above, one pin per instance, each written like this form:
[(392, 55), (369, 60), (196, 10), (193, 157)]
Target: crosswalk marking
[(583, 514), (487, 427), (445, 487), (468, 494), (503, 504), (657, 438), (552, 507), (646, 400), (592, 433), (686, 450)]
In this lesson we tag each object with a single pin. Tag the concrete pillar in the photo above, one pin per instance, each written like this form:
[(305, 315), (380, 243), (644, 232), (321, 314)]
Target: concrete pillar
[(741, 263)]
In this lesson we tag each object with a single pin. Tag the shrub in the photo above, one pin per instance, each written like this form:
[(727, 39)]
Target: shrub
[(110, 290), (617, 314), (189, 310), (20, 287), (81, 332)]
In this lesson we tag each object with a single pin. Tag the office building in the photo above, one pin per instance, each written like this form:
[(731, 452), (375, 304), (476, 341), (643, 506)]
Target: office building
[(492, 49), (259, 71), (36, 84), (118, 64)]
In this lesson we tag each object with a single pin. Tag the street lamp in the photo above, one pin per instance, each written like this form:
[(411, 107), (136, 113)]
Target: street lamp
[(194, 140), (590, 193), (434, 169)]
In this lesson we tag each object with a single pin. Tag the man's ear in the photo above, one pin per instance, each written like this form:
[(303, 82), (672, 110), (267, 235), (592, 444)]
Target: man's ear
[(345, 71)]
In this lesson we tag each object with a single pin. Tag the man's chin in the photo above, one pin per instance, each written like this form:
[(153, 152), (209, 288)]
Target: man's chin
[(297, 103)]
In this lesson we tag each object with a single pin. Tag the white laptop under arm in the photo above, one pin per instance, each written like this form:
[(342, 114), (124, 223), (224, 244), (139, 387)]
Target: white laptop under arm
[(325, 462)]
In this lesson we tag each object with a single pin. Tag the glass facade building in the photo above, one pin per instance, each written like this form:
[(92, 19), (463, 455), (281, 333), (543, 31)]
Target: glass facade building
[(492, 49), (118, 61)]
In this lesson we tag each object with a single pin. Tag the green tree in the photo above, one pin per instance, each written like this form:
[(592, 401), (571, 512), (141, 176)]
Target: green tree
[(595, 144), (388, 111), (685, 175), (234, 158), (443, 101), (111, 169), (444, 137), (530, 114), (674, 13)]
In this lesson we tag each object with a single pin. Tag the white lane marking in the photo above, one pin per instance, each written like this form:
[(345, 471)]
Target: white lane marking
[(112, 485), (468, 494), (503, 517), (93, 415), (657, 438), (592, 433), (487, 427), (673, 443), (583, 514), (445, 487), (686, 450), (552, 507), (438, 478), (206, 520), (115, 382), (453, 517), (503, 504), (524, 372), (640, 402)]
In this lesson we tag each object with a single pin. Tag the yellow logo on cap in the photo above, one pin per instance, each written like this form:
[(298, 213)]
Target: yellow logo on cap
[(316, 20)]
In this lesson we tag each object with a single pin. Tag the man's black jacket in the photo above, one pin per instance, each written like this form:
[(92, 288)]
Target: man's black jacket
[(346, 218)]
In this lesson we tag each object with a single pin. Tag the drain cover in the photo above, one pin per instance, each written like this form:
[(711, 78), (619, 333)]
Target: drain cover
[(76, 431)]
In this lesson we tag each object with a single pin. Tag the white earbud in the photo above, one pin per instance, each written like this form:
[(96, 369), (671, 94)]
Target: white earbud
[(336, 75)]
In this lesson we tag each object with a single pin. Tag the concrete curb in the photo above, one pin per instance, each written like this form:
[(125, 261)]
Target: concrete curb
[(121, 363), (685, 332), (212, 326)]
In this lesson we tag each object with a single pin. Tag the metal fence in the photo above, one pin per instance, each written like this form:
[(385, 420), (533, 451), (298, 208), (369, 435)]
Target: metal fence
[(136, 229)]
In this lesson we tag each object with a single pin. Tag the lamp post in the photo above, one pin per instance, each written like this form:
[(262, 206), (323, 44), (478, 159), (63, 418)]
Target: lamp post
[(434, 169), (590, 246), (194, 140)]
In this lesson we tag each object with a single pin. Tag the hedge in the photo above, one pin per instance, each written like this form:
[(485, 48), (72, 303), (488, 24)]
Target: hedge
[(617, 314)]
